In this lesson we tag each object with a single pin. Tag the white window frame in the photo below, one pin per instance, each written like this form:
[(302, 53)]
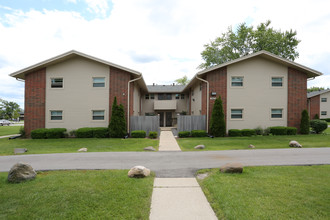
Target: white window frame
[(275, 118), (98, 115), (237, 86), (323, 113), (324, 100), (231, 113), (94, 83), (54, 78), (56, 120), (277, 77), (177, 96)]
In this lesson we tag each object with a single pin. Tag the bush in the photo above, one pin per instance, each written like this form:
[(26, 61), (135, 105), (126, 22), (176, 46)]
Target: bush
[(304, 123), (218, 122), (318, 126), (266, 132), (234, 133), (278, 130), (326, 119), (39, 133), (184, 134), (100, 132), (117, 126), (153, 134), (291, 131), (53, 133), (138, 134), (84, 133), (316, 116), (259, 131), (198, 133), (248, 132), (22, 132)]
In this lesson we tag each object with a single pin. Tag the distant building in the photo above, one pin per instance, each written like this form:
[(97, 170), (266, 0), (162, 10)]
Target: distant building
[(319, 103)]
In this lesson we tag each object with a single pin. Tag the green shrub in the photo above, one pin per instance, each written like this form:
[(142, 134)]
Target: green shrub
[(291, 131), (53, 133), (40, 133), (234, 133), (84, 133), (117, 125), (198, 133), (100, 132), (316, 116), (184, 134), (153, 134), (304, 122), (266, 132), (248, 132), (259, 131), (22, 131), (326, 119), (218, 122), (279, 130), (138, 134), (72, 133), (318, 126)]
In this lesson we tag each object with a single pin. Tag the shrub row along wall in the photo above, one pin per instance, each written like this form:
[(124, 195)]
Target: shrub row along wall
[(48, 133), (99, 132)]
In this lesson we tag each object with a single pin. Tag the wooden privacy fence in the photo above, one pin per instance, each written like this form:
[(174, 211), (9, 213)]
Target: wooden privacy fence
[(191, 122), (145, 123)]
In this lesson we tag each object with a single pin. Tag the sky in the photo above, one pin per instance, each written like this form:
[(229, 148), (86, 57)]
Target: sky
[(162, 39)]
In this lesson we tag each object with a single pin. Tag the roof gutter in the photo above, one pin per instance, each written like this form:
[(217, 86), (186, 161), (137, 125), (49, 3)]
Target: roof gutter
[(207, 101), (128, 97)]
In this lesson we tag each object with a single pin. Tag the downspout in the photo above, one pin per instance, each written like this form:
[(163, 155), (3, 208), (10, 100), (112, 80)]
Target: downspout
[(128, 84), (207, 102)]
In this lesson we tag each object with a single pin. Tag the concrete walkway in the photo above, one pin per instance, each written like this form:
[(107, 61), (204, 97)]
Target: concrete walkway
[(167, 141), (8, 136), (179, 198)]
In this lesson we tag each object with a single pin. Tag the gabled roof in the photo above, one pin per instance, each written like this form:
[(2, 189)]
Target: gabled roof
[(315, 93), (165, 88)]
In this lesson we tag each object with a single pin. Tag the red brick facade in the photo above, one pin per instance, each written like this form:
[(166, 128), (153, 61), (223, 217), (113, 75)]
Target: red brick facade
[(297, 96), (118, 88), (218, 83), (35, 101), (314, 106)]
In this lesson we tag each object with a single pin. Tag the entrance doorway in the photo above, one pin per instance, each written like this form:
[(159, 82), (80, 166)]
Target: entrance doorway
[(165, 119)]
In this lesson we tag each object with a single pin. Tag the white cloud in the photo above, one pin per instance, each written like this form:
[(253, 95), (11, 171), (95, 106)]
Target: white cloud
[(98, 6)]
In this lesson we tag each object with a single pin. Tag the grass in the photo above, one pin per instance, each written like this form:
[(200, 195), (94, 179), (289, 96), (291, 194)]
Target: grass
[(8, 130), (300, 192), (260, 142), (102, 194), (71, 145)]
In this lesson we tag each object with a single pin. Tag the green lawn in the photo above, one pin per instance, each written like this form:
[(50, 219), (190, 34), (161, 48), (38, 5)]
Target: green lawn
[(8, 130), (71, 145), (300, 192), (260, 142), (103, 194)]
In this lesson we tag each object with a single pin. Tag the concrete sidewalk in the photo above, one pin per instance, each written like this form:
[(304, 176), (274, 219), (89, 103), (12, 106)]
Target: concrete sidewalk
[(8, 136), (179, 198), (167, 141)]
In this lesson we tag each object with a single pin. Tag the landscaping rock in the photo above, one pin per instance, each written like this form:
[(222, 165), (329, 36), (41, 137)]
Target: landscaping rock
[(84, 149), (150, 148), (252, 146), (21, 172), (199, 146), (20, 150), (232, 168), (202, 176), (295, 144), (138, 172)]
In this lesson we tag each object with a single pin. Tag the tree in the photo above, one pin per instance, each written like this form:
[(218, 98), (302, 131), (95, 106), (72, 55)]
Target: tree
[(304, 123), (246, 40), (182, 81), (314, 88), (117, 126), (217, 122), (9, 110)]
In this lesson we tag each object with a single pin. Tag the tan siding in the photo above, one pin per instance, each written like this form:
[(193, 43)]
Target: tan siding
[(325, 106)]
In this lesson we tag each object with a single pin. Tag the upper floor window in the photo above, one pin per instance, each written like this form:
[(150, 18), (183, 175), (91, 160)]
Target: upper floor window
[(277, 113), (98, 115), (182, 96), (324, 100), (150, 96), (56, 115), (236, 113), (56, 83), (177, 96), (164, 96), (98, 82), (237, 81), (277, 81)]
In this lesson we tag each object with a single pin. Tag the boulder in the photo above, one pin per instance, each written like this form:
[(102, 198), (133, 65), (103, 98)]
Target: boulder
[(232, 168), (201, 146), (252, 146), (21, 172), (150, 148), (84, 149), (138, 172), (295, 144), (20, 150)]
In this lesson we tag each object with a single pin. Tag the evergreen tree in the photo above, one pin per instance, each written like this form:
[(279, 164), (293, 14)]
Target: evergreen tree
[(304, 123), (117, 126), (217, 122)]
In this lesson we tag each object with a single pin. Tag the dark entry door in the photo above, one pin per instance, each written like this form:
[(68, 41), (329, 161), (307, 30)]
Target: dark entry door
[(168, 119), (161, 119)]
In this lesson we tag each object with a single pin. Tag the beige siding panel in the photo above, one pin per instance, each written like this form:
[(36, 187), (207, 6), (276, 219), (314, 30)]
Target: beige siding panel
[(325, 106), (77, 99), (257, 96), (196, 100), (136, 101)]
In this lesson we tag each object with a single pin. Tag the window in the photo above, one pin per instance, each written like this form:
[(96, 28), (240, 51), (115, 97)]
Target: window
[(99, 82), (177, 96), (147, 96), (277, 113), (150, 96), (237, 113), (163, 96), (56, 115), (277, 81), (323, 112), (237, 81), (57, 83), (182, 96), (98, 115), (324, 100)]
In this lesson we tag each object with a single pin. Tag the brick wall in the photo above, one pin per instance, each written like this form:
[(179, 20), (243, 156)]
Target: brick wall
[(218, 83), (35, 94), (314, 106), (118, 88), (297, 96)]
